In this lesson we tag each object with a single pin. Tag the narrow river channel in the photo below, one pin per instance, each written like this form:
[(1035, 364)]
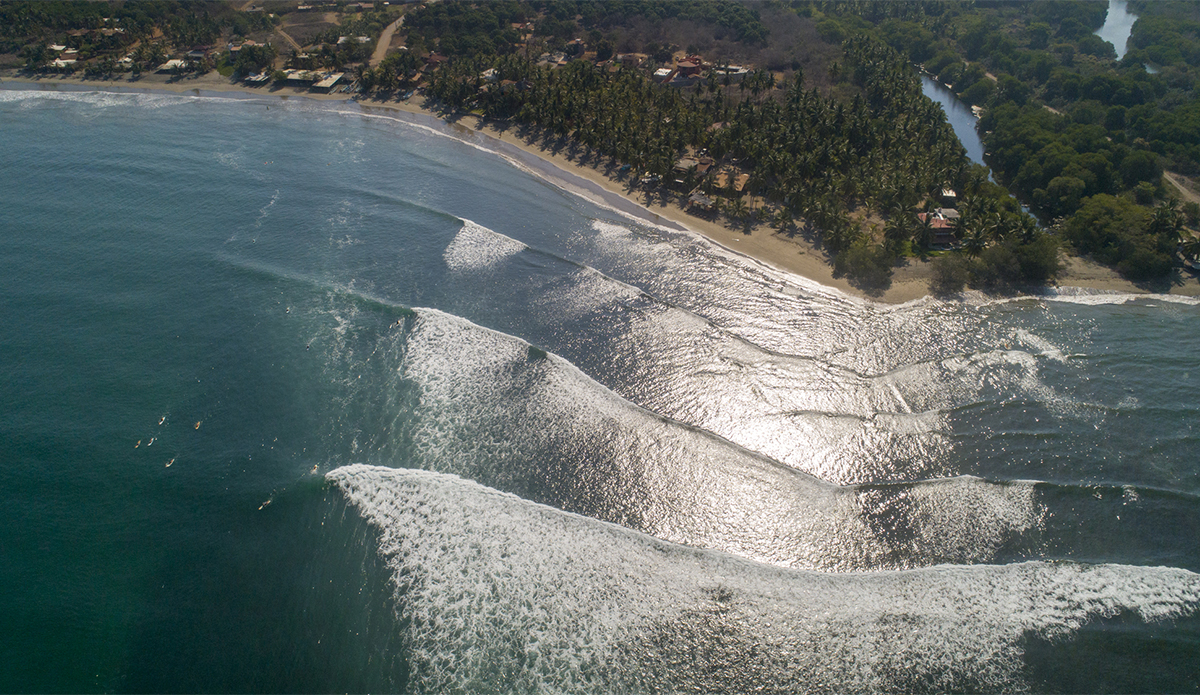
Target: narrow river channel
[(1118, 25), (959, 114)]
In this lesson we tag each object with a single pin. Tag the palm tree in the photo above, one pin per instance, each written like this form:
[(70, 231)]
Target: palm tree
[(1166, 223), (1191, 248), (975, 241), (738, 208)]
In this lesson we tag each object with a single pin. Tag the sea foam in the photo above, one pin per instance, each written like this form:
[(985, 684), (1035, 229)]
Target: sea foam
[(497, 592), (476, 247), (820, 413)]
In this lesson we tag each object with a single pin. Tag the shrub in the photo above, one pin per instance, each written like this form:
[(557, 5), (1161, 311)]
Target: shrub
[(1038, 259), (950, 274), (997, 268), (1143, 193), (1145, 264), (869, 267), (980, 92), (1192, 212)]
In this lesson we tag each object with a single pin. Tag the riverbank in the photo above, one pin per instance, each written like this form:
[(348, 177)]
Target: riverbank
[(591, 176)]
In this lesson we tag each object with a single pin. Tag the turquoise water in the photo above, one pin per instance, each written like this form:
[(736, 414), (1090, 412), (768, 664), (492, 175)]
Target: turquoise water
[(300, 397)]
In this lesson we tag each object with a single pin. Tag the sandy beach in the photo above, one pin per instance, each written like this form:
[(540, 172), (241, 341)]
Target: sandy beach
[(588, 176)]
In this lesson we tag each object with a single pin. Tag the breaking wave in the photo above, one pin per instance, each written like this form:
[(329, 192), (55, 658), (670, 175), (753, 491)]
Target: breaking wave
[(475, 248), (816, 413), (497, 592), (497, 410)]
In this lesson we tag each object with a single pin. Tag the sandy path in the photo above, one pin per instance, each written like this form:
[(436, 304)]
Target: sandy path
[(285, 35), (1188, 195), (385, 40)]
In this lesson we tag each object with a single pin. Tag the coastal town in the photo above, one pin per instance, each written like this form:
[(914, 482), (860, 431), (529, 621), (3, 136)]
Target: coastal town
[(915, 210)]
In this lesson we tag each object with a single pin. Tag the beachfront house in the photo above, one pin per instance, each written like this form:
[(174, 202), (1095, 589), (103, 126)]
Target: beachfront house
[(941, 224), (702, 203), (172, 65), (701, 165), (327, 81)]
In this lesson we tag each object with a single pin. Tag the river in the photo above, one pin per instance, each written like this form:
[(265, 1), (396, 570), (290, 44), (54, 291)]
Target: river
[(1117, 26), (959, 114)]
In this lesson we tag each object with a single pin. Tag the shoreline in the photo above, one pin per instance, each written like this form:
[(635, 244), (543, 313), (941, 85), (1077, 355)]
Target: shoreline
[(571, 167)]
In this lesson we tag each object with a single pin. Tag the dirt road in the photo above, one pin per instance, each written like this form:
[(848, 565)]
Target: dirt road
[(385, 40)]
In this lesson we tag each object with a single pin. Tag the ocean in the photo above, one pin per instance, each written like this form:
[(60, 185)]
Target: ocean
[(309, 397)]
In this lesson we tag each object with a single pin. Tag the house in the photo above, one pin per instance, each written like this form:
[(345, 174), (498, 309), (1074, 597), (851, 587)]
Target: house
[(681, 80), (941, 226), (235, 49), (552, 59), (663, 74), (304, 76), (631, 60), (701, 164), (172, 65), (733, 73), (327, 81), (702, 202)]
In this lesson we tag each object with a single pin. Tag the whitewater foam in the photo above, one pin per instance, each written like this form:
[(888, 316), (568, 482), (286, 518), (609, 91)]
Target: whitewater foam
[(498, 592), (476, 247), (142, 100), (1094, 297)]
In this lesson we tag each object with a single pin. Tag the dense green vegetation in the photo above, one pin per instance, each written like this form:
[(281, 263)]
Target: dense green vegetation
[(1066, 125), (468, 29), (826, 163)]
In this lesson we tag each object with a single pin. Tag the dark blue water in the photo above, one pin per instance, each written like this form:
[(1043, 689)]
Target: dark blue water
[(597, 455)]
